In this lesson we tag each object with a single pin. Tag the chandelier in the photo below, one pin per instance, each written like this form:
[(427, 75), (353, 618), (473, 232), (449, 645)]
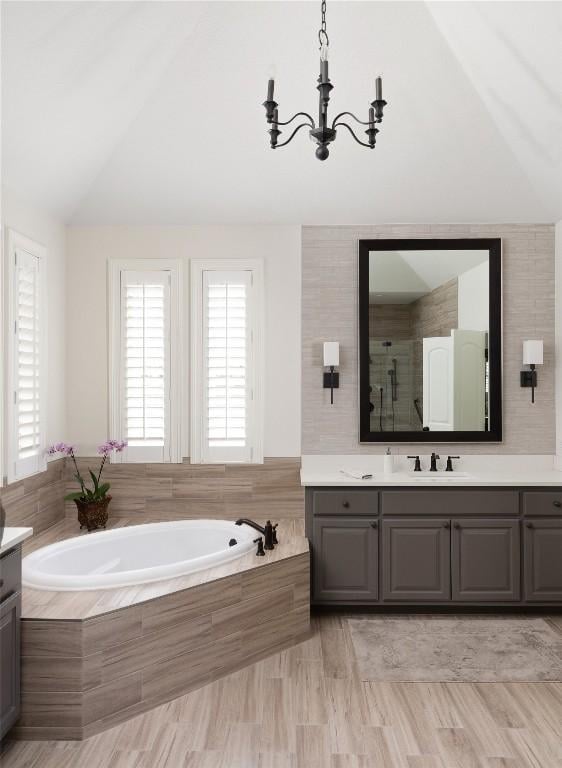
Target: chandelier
[(324, 134)]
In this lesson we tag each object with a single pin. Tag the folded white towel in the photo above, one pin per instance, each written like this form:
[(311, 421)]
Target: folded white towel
[(356, 475)]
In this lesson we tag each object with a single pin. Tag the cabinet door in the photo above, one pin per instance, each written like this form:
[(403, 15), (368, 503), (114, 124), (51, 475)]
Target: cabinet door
[(416, 560), (10, 611), (543, 560), (345, 557), (486, 560)]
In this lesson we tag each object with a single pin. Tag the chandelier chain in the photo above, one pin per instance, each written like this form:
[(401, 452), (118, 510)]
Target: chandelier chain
[(322, 34)]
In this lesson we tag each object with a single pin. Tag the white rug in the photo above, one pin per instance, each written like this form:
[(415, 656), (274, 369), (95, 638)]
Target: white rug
[(471, 650)]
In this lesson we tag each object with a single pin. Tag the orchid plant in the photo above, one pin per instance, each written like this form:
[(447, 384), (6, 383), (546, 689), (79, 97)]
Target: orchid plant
[(99, 491)]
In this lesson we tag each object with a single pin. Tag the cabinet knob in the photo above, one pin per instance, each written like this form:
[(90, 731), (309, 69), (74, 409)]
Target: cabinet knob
[(446, 525), (345, 504), (529, 525), (457, 525), (557, 503), (374, 524)]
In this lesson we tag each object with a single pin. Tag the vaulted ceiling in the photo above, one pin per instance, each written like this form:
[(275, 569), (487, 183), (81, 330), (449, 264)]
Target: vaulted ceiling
[(150, 112)]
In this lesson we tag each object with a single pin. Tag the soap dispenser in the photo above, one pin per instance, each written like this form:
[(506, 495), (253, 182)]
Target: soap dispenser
[(388, 462)]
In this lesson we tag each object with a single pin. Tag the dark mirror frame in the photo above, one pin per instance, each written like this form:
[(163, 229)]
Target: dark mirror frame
[(494, 433)]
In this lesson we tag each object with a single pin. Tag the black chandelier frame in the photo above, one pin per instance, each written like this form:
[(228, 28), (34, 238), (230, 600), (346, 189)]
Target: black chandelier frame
[(324, 134)]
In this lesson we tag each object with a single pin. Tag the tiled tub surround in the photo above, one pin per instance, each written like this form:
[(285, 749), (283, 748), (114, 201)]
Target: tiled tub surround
[(37, 501), (91, 660), (329, 312), (178, 491)]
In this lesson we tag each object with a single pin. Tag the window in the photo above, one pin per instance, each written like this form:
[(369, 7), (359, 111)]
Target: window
[(26, 354), (226, 419), (145, 360)]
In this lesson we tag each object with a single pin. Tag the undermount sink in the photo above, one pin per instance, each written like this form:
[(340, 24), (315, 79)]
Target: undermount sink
[(439, 475)]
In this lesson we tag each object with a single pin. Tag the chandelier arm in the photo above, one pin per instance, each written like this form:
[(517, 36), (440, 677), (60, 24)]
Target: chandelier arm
[(297, 114), (284, 143), (341, 114), (363, 144)]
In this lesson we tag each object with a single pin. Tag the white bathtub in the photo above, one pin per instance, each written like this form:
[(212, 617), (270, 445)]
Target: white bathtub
[(135, 554)]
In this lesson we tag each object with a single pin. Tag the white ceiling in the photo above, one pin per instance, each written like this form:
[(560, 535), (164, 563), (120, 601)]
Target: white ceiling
[(150, 113)]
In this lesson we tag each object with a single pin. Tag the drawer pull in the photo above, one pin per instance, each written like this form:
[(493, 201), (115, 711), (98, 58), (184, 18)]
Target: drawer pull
[(346, 504), (529, 525), (557, 503), (374, 524)]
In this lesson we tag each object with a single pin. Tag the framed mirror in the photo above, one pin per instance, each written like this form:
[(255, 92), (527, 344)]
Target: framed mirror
[(430, 341)]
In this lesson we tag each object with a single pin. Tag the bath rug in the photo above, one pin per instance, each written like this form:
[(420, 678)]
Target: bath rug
[(468, 650)]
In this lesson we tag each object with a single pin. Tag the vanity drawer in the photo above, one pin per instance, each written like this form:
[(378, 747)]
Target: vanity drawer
[(345, 501), (446, 502), (544, 503), (10, 574)]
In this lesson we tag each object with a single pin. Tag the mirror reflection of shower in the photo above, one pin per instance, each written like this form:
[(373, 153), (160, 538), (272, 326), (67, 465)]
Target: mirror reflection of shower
[(391, 363)]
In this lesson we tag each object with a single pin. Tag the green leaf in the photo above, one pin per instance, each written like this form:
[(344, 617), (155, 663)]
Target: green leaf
[(73, 496), (95, 480), (104, 488)]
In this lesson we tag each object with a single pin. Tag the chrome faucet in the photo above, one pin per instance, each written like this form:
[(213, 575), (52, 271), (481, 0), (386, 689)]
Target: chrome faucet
[(268, 531), (434, 457)]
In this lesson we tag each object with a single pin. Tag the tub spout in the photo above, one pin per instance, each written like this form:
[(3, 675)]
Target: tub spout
[(268, 531)]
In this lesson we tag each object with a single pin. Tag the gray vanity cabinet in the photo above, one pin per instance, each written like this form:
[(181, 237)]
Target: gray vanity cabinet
[(345, 559), (543, 560), (465, 546), (485, 560), (416, 560), (10, 653), (10, 610)]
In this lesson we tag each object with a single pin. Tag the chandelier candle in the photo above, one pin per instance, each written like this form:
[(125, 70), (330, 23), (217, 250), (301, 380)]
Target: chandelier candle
[(324, 134)]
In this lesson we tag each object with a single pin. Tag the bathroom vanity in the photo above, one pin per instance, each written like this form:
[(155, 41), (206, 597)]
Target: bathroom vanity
[(406, 542), (10, 615)]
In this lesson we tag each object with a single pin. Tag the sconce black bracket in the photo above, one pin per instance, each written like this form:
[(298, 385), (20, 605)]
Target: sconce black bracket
[(529, 379), (331, 380)]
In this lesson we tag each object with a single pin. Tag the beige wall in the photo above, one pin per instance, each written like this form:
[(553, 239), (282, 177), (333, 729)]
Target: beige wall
[(329, 312), (89, 249)]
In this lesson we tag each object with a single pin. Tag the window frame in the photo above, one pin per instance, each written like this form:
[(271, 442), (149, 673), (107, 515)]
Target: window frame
[(198, 452), (15, 242), (115, 369)]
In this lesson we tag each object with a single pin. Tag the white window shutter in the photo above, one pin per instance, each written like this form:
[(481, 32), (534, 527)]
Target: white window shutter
[(145, 364), (227, 362), (28, 441)]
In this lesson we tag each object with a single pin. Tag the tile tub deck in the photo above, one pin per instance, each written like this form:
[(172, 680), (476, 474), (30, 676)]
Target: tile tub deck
[(93, 659)]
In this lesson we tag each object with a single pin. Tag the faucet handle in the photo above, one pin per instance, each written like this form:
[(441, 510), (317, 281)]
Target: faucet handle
[(417, 465), (260, 551), (449, 467), (274, 534)]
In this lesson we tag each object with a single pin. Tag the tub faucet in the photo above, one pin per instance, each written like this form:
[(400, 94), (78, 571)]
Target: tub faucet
[(268, 531)]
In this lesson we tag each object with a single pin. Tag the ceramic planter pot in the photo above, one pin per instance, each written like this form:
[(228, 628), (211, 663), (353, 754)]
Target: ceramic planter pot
[(92, 514)]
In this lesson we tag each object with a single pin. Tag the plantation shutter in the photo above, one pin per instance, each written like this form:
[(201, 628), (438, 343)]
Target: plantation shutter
[(145, 368), (227, 361), (28, 451)]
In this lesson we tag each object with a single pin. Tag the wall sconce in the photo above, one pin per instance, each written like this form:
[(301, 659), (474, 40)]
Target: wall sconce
[(532, 355), (331, 361)]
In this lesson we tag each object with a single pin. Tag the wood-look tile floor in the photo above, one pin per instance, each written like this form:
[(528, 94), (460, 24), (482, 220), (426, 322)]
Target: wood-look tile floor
[(306, 708)]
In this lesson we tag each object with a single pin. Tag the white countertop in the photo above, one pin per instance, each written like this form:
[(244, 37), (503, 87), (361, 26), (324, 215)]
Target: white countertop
[(381, 480), (13, 536), (480, 471)]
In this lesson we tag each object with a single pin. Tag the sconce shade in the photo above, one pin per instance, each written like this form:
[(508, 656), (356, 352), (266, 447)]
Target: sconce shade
[(533, 352), (331, 353)]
